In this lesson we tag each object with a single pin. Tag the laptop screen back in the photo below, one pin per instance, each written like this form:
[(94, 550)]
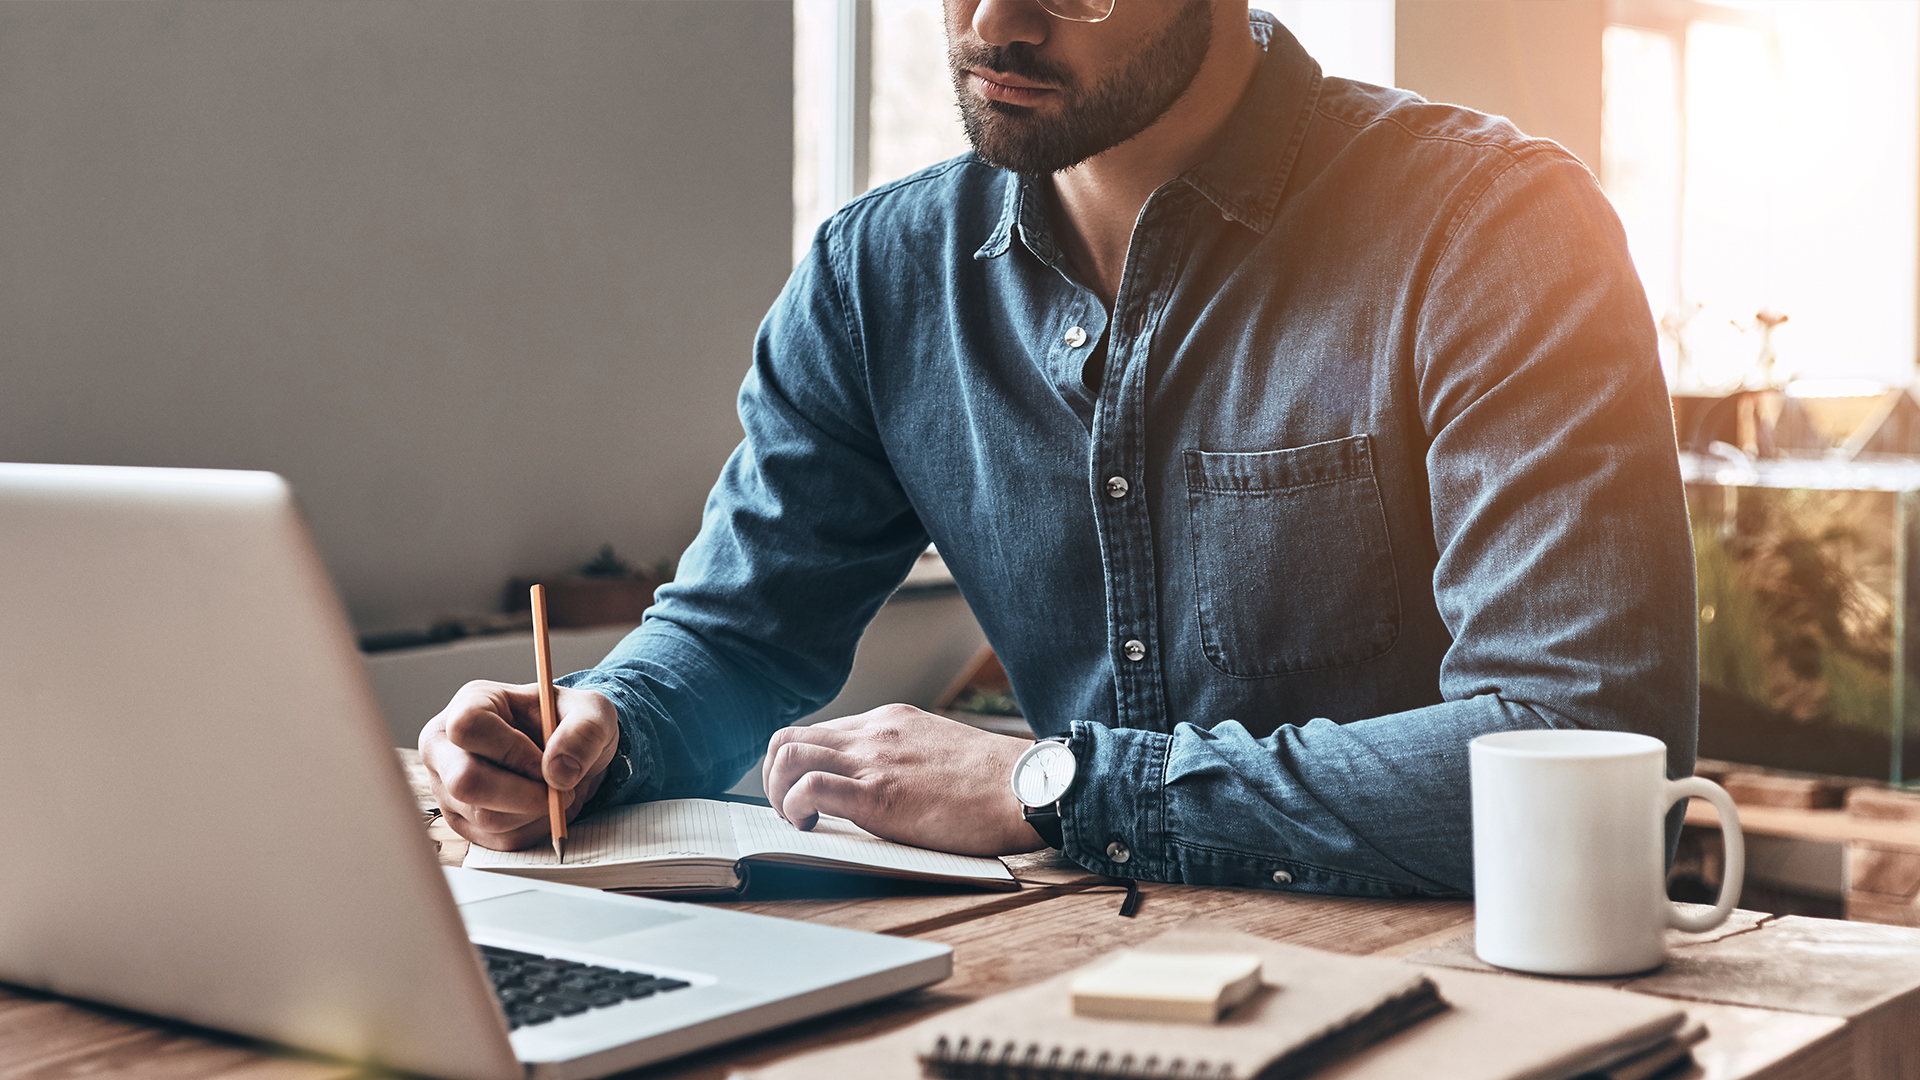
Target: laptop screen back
[(205, 819)]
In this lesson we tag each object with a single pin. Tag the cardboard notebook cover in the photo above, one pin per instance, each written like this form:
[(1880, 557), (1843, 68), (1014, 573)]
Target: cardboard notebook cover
[(1322, 1014), (694, 846)]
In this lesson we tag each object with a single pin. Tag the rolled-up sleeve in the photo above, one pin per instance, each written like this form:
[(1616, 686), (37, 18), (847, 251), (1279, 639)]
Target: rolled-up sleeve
[(1563, 573), (804, 536)]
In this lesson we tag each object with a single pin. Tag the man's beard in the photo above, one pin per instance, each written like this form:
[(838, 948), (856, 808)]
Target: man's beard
[(1093, 119)]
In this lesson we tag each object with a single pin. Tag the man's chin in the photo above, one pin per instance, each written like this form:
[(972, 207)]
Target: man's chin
[(1009, 141)]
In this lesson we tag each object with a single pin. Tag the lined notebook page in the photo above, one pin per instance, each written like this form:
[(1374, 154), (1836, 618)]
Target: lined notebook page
[(671, 828), (760, 831)]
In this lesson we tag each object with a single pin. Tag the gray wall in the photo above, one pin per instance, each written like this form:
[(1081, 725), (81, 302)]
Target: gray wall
[(1535, 62), (479, 278)]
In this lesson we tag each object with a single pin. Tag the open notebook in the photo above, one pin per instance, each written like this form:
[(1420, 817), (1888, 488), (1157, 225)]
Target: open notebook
[(702, 845)]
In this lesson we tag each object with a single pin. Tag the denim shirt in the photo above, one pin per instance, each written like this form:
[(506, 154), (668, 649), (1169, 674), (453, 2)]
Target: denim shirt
[(1374, 456)]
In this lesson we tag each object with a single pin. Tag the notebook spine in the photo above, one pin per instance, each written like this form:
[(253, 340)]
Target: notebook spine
[(991, 1059)]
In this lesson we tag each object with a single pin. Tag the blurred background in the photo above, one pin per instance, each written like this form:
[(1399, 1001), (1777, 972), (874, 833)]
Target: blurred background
[(481, 280)]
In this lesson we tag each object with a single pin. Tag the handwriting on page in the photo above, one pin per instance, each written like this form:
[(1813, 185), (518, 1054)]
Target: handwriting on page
[(672, 828), (761, 831)]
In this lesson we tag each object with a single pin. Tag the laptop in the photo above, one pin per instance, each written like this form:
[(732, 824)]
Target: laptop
[(206, 821)]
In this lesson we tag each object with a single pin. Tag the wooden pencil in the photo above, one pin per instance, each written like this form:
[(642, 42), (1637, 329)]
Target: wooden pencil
[(549, 715)]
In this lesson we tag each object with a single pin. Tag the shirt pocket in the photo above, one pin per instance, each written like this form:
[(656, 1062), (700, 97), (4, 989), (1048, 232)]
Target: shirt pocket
[(1292, 568)]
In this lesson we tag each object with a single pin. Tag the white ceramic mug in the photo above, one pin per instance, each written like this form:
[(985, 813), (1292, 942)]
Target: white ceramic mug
[(1569, 851)]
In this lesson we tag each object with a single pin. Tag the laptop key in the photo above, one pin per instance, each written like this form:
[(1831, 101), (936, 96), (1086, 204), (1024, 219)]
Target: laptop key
[(528, 1017), (535, 989), (562, 1004)]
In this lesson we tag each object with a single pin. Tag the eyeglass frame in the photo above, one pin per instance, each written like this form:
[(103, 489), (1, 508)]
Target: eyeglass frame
[(1048, 7)]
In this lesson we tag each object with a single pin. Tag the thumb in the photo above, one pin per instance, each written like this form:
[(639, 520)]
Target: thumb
[(583, 744)]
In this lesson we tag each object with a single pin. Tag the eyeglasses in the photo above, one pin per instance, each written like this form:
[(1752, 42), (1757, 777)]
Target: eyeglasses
[(1078, 10)]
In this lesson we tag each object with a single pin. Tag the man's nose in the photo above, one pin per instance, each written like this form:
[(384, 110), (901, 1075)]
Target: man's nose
[(1003, 22)]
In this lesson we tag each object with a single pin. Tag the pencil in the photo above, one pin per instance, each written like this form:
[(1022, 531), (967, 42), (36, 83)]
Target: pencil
[(549, 715)]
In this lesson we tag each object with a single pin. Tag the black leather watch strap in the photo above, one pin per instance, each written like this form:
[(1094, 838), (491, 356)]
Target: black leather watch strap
[(1045, 821)]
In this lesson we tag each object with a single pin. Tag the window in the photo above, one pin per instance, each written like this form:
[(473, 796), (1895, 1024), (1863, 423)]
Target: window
[(873, 100), (1763, 159)]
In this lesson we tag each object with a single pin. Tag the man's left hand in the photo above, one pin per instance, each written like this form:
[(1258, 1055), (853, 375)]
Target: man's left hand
[(904, 775)]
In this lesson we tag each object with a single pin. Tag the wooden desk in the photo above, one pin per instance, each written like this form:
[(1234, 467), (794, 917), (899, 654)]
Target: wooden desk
[(1785, 999)]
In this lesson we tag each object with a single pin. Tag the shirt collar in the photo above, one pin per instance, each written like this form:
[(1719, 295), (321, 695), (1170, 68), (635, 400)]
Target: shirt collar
[(1262, 137), (1022, 209), (1246, 173)]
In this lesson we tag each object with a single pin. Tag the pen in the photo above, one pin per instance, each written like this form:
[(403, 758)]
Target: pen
[(549, 714)]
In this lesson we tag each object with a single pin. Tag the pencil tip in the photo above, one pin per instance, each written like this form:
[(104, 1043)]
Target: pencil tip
[(560, 848)]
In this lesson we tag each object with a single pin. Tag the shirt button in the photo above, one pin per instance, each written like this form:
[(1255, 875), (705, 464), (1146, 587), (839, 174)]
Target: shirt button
[(1118, 852), (1281, 877), (1135, 649), (1076, 337), (1117, 486)]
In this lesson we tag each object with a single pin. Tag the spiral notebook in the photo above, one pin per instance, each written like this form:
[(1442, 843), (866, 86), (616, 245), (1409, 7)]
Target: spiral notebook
[(1314, 1008), (1329, 1016)]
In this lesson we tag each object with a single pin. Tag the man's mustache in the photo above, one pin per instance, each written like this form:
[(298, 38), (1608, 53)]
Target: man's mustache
[(1015, 59)]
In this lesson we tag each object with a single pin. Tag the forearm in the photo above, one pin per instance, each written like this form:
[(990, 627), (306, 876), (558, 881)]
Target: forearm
[(1378, 807), (805, 534), (691, 722)]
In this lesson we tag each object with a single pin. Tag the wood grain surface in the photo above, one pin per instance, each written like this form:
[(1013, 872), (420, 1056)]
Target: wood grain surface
[(1784, 999)]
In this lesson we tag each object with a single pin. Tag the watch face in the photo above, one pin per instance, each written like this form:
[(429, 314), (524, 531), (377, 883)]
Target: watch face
[(1043, 774)]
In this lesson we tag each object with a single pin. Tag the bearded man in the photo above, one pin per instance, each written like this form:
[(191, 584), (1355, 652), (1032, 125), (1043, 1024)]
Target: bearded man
[(1283, 432)]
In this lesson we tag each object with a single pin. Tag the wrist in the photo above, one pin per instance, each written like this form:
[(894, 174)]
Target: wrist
[(1042, 776), (608, 781)]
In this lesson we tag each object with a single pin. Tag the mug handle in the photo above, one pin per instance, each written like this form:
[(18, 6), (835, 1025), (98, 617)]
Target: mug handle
[(1736, 848)]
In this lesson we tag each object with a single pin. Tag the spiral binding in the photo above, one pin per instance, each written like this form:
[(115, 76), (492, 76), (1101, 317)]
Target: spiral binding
[(988, 1059)]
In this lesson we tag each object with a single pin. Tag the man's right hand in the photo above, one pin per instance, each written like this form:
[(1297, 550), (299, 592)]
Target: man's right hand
[(483, 755)]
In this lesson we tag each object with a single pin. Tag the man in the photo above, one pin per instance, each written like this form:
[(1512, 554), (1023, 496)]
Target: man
[(1285, 433)]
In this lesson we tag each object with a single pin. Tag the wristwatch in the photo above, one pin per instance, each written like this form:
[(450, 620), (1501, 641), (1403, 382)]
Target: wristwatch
[(1041, 778)]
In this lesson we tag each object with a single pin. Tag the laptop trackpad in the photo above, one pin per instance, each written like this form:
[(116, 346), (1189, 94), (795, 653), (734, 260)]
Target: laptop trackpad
[(563, 917)]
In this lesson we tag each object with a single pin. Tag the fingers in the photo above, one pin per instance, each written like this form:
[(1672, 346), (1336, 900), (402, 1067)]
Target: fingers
[(483, 768), (528, 835), (503, 830), (495, 801), (489, 773), (819, 793), (826, 734), (905, 775), (486, 720), (584, 743), (792, 761)]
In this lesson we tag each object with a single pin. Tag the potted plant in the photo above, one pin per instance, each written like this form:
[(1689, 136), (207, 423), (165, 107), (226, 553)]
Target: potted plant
[(605, 590)]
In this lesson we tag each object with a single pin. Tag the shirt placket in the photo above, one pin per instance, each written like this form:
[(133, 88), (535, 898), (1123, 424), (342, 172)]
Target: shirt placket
[(1118, 471)]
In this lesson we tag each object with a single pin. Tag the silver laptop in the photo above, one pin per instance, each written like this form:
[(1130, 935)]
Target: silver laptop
[(205, 821)]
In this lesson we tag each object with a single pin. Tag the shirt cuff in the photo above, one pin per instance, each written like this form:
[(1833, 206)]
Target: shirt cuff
[(1114, 820), (635, 781)]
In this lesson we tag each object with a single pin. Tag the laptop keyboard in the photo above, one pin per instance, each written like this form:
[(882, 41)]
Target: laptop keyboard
[(534, 989)]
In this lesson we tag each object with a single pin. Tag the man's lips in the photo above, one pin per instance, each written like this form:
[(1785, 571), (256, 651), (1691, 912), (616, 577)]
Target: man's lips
[(1011, 89)]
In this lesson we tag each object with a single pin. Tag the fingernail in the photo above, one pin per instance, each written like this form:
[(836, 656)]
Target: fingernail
[(565, 769)]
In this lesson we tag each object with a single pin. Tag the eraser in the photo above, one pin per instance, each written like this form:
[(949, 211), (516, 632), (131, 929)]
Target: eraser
[(1193, 988)]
